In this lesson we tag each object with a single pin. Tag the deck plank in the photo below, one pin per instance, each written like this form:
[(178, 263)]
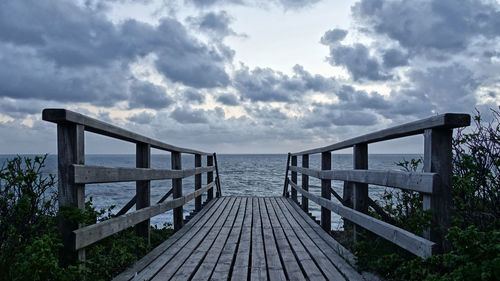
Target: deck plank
[(242, 259), (258, 270), (274, 266)]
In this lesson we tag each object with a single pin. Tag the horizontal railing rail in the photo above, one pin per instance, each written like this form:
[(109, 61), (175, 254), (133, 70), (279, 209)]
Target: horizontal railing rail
[(434, 183), (74, 175)]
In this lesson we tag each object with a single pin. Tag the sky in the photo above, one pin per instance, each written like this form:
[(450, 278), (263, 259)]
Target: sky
[(243, 76)]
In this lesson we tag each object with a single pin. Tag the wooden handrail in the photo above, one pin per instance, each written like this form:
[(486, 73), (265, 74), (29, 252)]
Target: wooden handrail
[(434, 183), (444, 121)]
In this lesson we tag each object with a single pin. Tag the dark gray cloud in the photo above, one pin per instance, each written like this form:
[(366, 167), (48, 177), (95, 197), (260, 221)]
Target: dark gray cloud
[(187, 115), (193, 96), (333, 36), (328, 115), (443, 25), (215, 24), (148, 95), (228, 99), (394, 58), (142, 117), (349, 98), (287, 4)]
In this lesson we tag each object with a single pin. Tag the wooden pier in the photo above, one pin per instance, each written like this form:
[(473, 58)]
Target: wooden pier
[(255, 238)]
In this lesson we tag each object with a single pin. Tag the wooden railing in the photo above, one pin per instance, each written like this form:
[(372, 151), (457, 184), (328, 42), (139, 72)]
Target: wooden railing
[(74, 175), (434, 183)]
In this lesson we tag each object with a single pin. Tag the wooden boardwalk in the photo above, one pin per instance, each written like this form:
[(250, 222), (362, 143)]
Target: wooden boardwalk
[(246, 238)]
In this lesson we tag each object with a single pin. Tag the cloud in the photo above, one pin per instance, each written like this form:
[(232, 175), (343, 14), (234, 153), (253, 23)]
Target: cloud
[(435, 25), (228, 99), (193, 96), (326, 116), (394, 58), (143, 117), (215, 24), (187, 115), (287, 4), (148, 95), (333, 36)]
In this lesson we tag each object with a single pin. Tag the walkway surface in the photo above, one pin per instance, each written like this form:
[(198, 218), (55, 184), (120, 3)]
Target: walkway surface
[(246, 238)]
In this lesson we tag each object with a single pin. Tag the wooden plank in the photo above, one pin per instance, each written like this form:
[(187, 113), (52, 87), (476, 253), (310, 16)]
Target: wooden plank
[(310, 269), (360, 190), (406, 240), (70, 150), (339, 256), (201, 242), (143, 188), (210, 176), (217, 177), (93, 233), (200, 264), (447, 120), (305, 182), (165, 196), (100, 174), (294, 178), (197, 232), (285, 187), (258, 269), (227, 257), (414, 181), (205, 213), (326, 185), (274, 266), (241, 266), (290, 263), (127, 207), (211, 257), (438, 159), (178, 213), (323, 263), (63, 116), (197, 182)]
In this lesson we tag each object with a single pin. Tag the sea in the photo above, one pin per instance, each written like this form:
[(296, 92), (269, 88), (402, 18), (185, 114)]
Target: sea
[(240, 175)]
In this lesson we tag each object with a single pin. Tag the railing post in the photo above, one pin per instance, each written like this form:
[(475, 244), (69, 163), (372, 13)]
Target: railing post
[(197, 182), (210, 177), (218, 191), (294, 178), (177, 190), (326, 215), (143, 188), (70, 150), (305, 182), (285, 187), (438, 159), (360, 191)]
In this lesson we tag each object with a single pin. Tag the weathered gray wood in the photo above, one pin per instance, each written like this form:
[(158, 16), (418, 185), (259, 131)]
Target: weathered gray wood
[(203, 215), (360, 190), (285, 187), (166, 196), (217, 178), (201, 263), (438, 159), (320, 259), (326, 185), (197, 182), (210, 176), (70, 150), (274, 266), (187, 241), (241, 266), (340, 256), (178, 213), (290, 263), (310, 269), (93, 233), (381, 212), (223, 267), (447, 120), (127, 206), (99, 174), (294, 178), (305, 182), (414, 181), (258, 269), (200, 242), (143, 188), (63, 116), (407, 240)]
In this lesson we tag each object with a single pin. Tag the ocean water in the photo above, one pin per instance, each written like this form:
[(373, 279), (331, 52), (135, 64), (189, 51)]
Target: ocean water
[(240, 175)]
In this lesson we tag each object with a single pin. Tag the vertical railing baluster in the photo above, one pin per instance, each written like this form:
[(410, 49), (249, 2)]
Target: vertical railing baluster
[(197, 182), (177, 190), (210, 177), (360, 190), (285, 186), (305, 183), (326, 215), (143, 188), (70, 150), (218, 192), (438, 159), (294, 178)]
